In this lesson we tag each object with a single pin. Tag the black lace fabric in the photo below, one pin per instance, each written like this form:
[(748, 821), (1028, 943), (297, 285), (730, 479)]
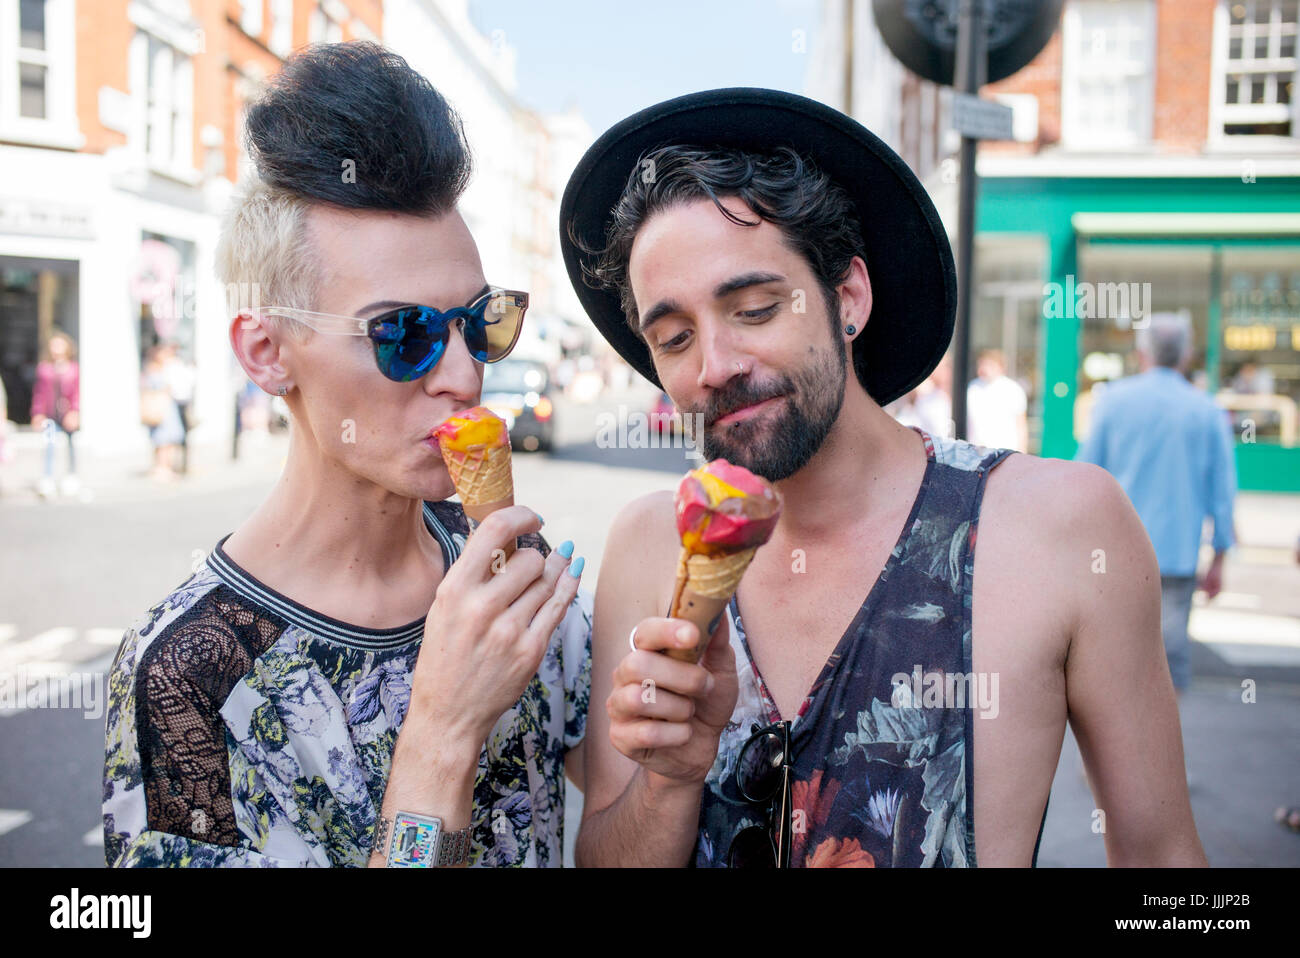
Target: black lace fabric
[(182, 680)]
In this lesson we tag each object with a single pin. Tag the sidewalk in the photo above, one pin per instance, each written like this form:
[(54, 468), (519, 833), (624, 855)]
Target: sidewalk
[(124, 475)]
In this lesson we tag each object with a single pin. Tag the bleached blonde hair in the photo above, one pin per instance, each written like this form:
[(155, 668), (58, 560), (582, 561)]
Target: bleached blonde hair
[(264, 255)]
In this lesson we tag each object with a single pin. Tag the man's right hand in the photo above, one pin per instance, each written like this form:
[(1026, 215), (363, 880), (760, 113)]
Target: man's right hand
[(668, 715), (489, 627)]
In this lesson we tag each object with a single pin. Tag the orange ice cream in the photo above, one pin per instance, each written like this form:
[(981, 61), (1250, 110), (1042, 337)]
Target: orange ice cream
[(473, 429)]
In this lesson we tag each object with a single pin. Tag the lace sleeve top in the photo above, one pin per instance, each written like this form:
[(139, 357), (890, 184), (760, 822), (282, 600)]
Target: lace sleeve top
[(244, 729)]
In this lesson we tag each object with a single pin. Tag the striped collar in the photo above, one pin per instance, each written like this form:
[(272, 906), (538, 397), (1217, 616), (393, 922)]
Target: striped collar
[(332, 629)]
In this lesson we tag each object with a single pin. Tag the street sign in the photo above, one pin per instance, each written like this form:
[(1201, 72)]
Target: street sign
[(923, 34), (981, 119)]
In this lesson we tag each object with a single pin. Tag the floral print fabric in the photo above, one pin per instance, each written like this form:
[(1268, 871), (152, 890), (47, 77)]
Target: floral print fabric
[(246, 730)]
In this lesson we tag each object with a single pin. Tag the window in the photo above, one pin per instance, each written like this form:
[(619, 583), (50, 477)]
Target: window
[(326, 25), (1256, 42), (281, 27), (162, 85), (1108, 84), (250, 17), (38, 60)]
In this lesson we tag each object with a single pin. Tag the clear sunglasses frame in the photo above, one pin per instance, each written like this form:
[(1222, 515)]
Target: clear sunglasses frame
[(338, 325)]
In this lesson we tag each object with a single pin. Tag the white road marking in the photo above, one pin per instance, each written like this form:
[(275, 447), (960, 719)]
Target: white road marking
[(37, 647), (11, 818), (105, 636), (1243, 628), (1238, 600), (16, 682), (1256, 655)]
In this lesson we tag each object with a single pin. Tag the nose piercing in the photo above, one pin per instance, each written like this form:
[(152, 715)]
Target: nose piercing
[(740, 367)]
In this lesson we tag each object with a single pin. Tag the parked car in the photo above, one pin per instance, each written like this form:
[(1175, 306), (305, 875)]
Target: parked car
[(664, 417), (520, 392)]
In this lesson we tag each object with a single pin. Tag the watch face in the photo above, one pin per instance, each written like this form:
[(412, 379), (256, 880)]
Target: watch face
[(415, 842)]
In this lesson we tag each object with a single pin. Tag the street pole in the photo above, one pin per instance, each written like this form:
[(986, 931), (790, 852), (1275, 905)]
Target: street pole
[(848, 57), (968, 76)]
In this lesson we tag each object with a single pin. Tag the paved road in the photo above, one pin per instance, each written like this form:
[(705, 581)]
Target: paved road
[(74, 574)]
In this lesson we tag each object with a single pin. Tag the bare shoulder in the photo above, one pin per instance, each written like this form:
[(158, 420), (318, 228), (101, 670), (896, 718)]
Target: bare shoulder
[(640, 552), (647, 522), (1063, 526), (1052, 497)]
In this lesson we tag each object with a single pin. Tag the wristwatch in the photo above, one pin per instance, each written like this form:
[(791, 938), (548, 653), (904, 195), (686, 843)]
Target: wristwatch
[(408, 840)]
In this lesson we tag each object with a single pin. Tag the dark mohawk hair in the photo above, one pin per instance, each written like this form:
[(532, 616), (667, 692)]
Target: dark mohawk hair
[(358, 102)]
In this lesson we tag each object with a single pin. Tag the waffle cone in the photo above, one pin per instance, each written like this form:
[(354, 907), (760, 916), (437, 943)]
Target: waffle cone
[(705, 584), (484, 482), (481, 477)]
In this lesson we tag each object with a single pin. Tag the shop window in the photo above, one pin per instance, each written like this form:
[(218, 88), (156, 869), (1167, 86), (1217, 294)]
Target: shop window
[(1118, 287), (1007, 315), (163, 285), (1260, 357), (37, 297)]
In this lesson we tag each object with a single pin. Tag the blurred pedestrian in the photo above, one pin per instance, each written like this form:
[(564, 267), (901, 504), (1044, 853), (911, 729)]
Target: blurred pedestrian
[(1251, 378), (179, 373), (995, 406), (56, 407), (1170, 447), (158, 411), (929, 405)]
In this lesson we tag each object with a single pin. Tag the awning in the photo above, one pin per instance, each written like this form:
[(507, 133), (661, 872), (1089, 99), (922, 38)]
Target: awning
[(1186, 224)]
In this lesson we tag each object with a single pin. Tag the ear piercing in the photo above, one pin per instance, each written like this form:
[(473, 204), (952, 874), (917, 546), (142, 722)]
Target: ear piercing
[(850, 330), (284, 390)]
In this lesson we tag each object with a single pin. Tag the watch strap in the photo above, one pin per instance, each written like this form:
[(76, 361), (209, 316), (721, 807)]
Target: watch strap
[(453, 848), (427, 844)]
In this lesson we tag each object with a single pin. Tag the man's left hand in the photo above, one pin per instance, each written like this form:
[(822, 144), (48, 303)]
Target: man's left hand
[(1212, 581), (71, 420)]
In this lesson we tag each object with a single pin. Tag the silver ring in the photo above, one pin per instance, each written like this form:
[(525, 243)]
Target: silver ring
[(631, 639)]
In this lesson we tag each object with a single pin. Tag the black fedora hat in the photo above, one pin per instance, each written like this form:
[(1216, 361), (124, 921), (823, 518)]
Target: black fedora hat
[(909, 260)]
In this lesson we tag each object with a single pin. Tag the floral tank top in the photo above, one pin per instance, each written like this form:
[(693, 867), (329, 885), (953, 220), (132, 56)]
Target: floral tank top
[(882, 744)]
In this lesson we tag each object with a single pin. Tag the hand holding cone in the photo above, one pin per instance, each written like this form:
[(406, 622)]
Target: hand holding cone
[(476, 448), (724, 513)]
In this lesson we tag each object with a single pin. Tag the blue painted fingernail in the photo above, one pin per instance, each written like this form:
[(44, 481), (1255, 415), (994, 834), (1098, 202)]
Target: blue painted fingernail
[(565, 549), (540, 520), (575, 570)]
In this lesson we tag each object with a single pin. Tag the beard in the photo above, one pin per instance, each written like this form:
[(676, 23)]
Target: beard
[(780, 441)]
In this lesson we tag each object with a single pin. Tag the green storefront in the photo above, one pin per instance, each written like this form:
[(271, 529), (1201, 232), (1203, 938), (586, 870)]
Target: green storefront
[(1067, 265)]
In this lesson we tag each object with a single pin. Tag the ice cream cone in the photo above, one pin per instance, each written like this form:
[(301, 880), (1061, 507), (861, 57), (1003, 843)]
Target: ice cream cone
[(479, 470), (724, 514), (705, 584)]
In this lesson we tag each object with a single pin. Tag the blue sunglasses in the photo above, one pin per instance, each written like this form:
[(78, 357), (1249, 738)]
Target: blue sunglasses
[(409, 340)]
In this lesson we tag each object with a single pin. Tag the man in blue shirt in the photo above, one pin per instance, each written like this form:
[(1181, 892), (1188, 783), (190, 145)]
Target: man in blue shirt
[(1170, 447)]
